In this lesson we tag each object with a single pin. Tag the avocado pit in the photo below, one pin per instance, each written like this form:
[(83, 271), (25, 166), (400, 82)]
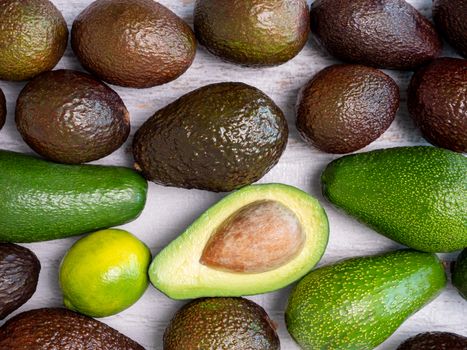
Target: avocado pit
[(259, 237)]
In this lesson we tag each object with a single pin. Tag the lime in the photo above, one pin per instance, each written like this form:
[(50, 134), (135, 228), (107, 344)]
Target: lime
[(104, 273)]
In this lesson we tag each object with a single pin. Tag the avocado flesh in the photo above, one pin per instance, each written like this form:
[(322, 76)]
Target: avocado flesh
[(435, 341), (358, 303), (178, 272), (459, 274), (413, 195), (41, 200), (449, 17), (2, 109)]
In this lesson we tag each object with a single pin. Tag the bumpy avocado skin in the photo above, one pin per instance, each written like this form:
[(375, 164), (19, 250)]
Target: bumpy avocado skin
[(133, 43), (42, 200), (363, 31), (222, 324), (358, 303), (252, 32), (33, 38), (19, 273), (346, 107), (435, 340), (450, 19), (69, 117), (459, 274), (218, 138), (2, 109), (437, 100), (57, 328)]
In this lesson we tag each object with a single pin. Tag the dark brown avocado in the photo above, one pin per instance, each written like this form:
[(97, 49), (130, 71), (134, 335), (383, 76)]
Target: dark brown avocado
[(33, 38), (2, 109), (346, 107), (56, 328), (384, 34), (437, 102), (19, 273), (459, 274), (70, 117), (252, 33), (221, 324), (435, 341), (133, 43), (450, 17), (218, 138)]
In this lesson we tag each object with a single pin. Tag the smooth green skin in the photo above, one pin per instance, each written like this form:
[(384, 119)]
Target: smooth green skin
[(459, 274), (104, 273), (416, 196), (358, 303), (41, 200), (177, 272)]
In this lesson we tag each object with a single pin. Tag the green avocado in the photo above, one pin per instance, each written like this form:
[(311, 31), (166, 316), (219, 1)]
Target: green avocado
[(221, 324), (449, 17), (133, 43), (70, 117), (42, 201), (435, 341), (252, 32), (2, 109), (413, 195), (459, 274), (358, 303), (255, 240), (33, 38), (218, 138)]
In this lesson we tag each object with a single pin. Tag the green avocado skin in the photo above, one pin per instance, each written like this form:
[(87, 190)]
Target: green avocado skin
[(358, 303), (413, 195), (42, 201), (459, 274), (219, 137)]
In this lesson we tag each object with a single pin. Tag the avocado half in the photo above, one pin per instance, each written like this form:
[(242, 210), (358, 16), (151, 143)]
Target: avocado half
[(178, 271)]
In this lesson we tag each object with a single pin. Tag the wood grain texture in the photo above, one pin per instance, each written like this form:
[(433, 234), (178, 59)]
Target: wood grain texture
[(170, 210)]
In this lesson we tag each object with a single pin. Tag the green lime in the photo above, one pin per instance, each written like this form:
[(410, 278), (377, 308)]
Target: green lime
[(104, 273)]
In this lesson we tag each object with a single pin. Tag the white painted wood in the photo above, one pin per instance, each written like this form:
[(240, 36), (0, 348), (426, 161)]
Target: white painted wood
[(170, 210)]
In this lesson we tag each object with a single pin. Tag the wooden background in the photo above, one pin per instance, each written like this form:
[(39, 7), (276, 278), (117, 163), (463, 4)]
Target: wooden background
[(169, 210)]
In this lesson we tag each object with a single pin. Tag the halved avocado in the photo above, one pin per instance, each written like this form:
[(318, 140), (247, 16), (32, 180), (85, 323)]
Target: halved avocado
[(256, 240)]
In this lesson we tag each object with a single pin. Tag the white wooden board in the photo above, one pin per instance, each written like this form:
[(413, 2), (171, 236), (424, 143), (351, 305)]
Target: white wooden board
[(170, 210)]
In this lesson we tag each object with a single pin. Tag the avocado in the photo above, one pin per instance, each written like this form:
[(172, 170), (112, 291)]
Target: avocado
[(69, 117), (384, 34), (436, 100), (221, 324), (459, 274), (358, 303), (217, 138), (449, 17), (252, 33), (2, 109), (346, 107), (33, 38), (435, 341), (41, 200), (133, 43), (255, 240), (19, 273), (413, 195), (56, 328)]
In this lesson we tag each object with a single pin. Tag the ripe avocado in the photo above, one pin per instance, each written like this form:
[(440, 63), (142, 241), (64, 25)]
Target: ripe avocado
[(218, 138), (252, 33), (459, 274), (69, 117), (437, 100), (358, 303), (384, 34), (133, 43), (435, 341), (56, 328), (2, 109), (345, 107), (33, 38), (449, 17), (413, 195), (19, 273), (41, 200), (221, 324), (255, 240)]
